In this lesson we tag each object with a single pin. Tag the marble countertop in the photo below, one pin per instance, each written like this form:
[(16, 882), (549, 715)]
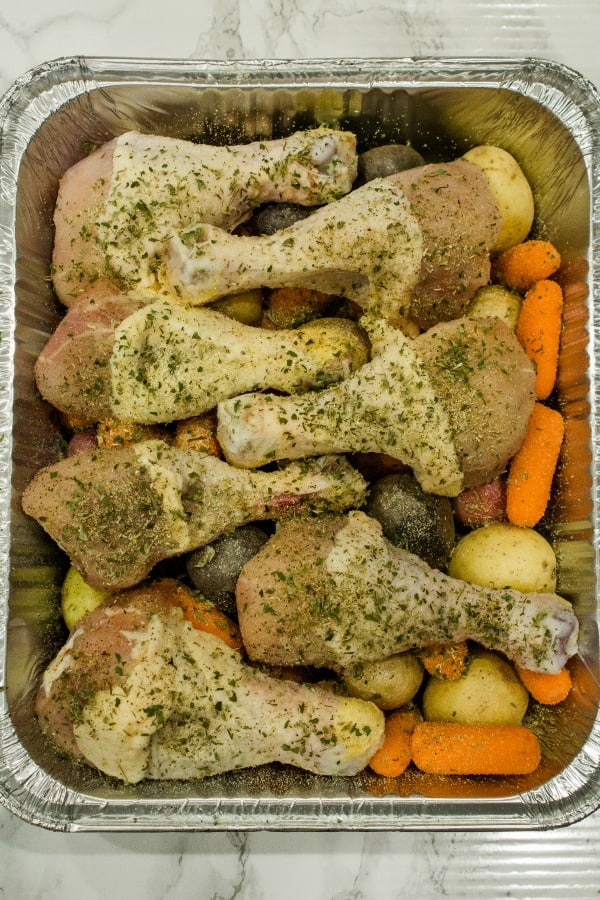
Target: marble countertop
[(35, 863)]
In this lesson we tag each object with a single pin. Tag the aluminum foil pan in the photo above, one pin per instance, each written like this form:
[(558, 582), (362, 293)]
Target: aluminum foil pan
[(548, 117)]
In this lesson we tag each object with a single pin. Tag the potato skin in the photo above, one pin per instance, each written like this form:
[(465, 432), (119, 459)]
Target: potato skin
[(272, 217), (489, 693), (82, 441), (505, 555), (215, 568), (78, 598), (481, 505), (511, 190), (496, 300), (379, 162), (245, 307), (389, 683), (419, 522)]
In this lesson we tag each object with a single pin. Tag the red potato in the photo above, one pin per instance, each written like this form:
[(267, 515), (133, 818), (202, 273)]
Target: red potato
[(482, 505), (82, 441)]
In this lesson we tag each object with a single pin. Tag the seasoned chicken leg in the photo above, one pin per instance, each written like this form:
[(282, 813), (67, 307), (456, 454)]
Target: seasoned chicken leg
[(116, 207), (335, 592), (414, 245), (118, 512), (452, 403), (165, 361), (138, 693)]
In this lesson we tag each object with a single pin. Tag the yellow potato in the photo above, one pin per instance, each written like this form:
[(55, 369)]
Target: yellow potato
[(389, 683), (489, 693), (496, 300), (245, 307), (504, 555), (78, 598), (511, 190)]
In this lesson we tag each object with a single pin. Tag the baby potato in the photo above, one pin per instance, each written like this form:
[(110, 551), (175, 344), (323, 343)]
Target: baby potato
[(379, 162), (496, 300), (245, 307), (482, 504), (82, 441), (77, 598), (215, 568), (489, 693), (511, 190), (198, 433), (503, 555), (272, 217), (389, 683), (289, 307), (420, 523)]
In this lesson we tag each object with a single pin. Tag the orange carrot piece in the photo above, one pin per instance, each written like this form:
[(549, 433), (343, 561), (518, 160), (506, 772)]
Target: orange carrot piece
[(198, 433), (449, 748), (521, 266), (288, 307), (538, 331), (445, 661), (204, 615), (115, 433), (394, 755), (546, 688), (532, 467)]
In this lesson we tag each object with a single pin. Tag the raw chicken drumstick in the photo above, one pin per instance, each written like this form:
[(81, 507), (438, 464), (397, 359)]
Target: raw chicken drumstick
[(138, 693), (335, 592), (118, 512), (116, 207), (415, 245), (164, 361), (452, 403)]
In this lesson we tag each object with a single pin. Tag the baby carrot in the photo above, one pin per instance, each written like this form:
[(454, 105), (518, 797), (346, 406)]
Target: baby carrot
[(449, 748), (521, 266), (394, 755), (532, 467), (445, 661), (538, 331), (203, 615), (546, 688)]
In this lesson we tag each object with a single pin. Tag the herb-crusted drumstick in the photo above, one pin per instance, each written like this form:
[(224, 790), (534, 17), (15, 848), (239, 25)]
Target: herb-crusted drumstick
[(336, 593), (139, 693), (118, 512), (452, 403), (116, 206), (415, 245), (164, 361)]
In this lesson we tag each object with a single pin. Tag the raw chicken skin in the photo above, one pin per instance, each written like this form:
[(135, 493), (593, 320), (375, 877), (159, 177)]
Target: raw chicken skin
[(166, 361), (415, 245), (336, 593), (139, 693), (116, 207), (118, 512), (452, 403), (73, 370)]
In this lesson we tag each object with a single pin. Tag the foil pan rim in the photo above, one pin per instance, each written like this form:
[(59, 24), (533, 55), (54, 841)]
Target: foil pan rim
[(25, 789)]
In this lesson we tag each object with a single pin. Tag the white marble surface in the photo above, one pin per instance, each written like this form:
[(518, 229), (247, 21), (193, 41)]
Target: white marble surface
[(38, 864)]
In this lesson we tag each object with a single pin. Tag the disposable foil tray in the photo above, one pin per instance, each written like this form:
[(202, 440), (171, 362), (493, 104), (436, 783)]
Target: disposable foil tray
[(548, 117)]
